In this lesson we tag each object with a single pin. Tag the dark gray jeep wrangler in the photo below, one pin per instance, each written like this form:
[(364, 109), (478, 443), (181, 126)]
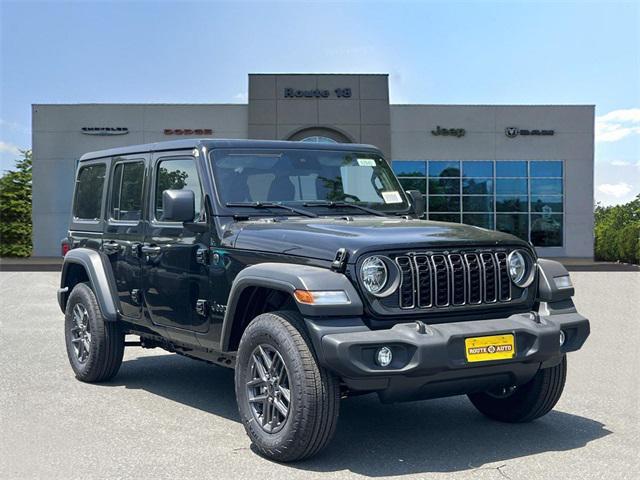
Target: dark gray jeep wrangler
[(307, 269)]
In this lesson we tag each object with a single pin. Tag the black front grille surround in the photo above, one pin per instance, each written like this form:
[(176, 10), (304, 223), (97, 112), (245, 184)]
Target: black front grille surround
[(447, 280)]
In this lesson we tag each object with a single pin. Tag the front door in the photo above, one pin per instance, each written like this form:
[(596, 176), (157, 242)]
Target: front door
[(176, 286), (124, 229)]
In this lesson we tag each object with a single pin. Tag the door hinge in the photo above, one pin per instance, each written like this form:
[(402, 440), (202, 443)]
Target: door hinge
[(202, 307), (202, 256), (135, 296)]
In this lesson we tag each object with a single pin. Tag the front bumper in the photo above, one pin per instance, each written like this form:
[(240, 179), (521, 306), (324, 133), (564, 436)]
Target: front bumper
[(432, 363)]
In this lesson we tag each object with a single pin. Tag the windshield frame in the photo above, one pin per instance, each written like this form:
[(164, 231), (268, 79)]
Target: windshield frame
[(403, 208)]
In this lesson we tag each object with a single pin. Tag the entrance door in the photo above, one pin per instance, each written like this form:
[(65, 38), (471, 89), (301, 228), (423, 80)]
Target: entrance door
[(175, 283), (124, 230)]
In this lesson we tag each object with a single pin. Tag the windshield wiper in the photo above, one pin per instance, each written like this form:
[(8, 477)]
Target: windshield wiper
[(299, 211), (345, 204)]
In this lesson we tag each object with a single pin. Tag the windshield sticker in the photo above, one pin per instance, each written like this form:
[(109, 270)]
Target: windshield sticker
[(366, 162), (392, 197)]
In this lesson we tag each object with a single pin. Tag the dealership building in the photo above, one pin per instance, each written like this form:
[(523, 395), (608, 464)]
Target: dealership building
[(523, 169)]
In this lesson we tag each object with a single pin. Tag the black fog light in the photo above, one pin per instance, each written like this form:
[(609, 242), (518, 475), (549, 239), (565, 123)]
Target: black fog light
[(384, 356), (563, 337)]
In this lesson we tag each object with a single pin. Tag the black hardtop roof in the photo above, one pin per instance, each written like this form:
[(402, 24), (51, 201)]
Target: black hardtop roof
[(212, 144)]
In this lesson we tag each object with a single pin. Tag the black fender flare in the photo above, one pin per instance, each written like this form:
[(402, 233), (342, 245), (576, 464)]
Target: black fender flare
[(548, 291), (98, 269), (288, 278)]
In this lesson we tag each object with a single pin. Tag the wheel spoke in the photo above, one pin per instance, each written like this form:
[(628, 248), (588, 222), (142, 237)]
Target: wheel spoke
[(266, 413), (281, 407), (256, 382), (285, 392), (258, 399), (267, 361), (260, 368)]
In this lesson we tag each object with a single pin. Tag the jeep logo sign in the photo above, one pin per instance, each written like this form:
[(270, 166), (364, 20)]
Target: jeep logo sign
[(104, 130), (513, 132), (451, 132)]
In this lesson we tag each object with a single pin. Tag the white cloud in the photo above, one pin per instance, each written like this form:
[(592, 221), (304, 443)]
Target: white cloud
[(617, 190), (241, 97), (617, 124), (9, 148)]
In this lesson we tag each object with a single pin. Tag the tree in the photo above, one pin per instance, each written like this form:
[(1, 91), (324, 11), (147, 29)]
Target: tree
[(15, 209), (617, 232)]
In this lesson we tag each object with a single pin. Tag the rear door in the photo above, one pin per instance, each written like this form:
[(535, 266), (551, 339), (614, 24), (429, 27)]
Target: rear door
[(175, 282), (124, 229)]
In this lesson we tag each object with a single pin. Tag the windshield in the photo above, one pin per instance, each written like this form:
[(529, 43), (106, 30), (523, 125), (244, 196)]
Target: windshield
[(307, 177)]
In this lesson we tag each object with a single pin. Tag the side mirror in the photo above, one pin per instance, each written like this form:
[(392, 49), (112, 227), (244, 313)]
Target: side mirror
[(417, 200), (178, 205)]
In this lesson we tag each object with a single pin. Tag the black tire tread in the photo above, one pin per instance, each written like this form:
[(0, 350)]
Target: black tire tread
[(529, 401)]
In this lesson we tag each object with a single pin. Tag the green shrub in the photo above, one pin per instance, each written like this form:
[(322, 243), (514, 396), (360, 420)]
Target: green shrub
[(15, 209), (617, 232)]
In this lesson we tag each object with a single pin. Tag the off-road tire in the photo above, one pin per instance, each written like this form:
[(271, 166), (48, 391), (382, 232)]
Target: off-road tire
[(107, 339), (527, 402), (315, 392)]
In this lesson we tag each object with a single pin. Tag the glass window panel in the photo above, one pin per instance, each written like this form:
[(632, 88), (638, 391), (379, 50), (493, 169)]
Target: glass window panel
[(546, 230), (177, 174), (484, 220), (546, 204), (477, 203), (506, 186), (478, 186), (511, 203), (414, 184), (511, 168), (515, 223), (477, 169), (440, 217), (444, 169), (406, 168), (126, 193), (545, 169), (88, 199), (546, 186), (444, 204), (445, 186)]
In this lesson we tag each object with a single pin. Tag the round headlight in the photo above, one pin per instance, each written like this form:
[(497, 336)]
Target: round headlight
[(374, 274), (520, 268)]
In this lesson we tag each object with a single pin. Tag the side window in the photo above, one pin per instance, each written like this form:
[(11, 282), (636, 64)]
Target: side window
[(89, 187), (176, 174), (126, 193)]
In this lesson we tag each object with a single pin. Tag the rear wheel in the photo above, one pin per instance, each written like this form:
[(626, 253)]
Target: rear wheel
[(94, 347), (288, 403), (524, 402)]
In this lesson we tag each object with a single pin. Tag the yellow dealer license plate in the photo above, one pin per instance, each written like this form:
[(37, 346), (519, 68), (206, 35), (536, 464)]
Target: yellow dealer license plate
[(495, 347)]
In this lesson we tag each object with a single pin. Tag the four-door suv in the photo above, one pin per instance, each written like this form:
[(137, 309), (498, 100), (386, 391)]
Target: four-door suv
[(307, 269)]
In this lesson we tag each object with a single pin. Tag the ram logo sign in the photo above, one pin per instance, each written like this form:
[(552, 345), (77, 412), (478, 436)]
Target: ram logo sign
[(513, 132)]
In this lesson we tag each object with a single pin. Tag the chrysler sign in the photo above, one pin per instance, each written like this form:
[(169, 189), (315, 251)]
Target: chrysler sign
[(513, 132), (104, 130)]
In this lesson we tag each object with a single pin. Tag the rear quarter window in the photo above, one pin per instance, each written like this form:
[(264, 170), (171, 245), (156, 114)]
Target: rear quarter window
[(87, 203)]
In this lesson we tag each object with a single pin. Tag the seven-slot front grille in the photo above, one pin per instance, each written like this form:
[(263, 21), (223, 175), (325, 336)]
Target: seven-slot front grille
[(449, 280)]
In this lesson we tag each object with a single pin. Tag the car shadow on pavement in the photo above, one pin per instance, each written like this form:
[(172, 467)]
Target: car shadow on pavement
[(373, 439)]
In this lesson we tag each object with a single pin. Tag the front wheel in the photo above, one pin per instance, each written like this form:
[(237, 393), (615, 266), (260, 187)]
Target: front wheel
[(288, 404), (525, 402)]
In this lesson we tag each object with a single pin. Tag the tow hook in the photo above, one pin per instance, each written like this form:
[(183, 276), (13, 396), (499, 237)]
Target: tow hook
[(422, 327)]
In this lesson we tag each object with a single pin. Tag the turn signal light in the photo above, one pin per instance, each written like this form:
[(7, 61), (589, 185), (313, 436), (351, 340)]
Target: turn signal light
[(307, 297)]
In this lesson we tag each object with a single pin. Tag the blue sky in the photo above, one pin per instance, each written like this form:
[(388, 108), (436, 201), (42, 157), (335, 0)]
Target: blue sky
[(434, 52)]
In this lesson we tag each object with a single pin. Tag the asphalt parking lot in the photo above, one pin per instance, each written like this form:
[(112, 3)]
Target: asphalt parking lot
[(165, 416)]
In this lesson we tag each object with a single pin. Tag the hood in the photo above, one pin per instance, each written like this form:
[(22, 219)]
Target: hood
[(320, 238)]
